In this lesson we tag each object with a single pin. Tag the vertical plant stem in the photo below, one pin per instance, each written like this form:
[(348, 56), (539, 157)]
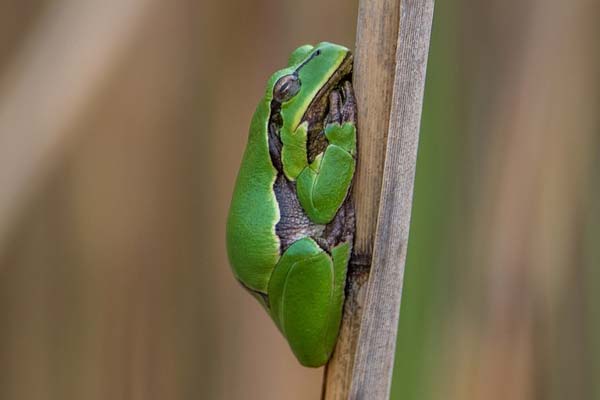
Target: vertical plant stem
[(376, 38), (391, 58)]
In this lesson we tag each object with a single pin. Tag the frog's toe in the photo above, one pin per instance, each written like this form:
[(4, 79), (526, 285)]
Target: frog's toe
[(349, 104)]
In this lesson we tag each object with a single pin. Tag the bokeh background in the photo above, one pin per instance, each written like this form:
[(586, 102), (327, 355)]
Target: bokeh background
[(122, 125)]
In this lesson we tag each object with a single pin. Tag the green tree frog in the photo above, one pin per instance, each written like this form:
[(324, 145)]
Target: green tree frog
[(291, 222)]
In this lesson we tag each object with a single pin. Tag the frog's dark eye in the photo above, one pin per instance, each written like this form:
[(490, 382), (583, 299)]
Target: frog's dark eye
[(286, 87)]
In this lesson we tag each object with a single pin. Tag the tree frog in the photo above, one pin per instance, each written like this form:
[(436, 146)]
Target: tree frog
[(291, 221)]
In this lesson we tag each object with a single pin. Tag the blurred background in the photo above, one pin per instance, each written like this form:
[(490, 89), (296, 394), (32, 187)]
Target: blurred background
[(122, 125)]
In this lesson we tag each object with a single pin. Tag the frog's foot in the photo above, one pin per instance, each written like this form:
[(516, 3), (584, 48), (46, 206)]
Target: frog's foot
[(323, 186), (342, 106), (306, 295)]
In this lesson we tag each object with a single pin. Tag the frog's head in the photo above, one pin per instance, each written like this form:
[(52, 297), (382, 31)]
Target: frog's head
[(300, 91)]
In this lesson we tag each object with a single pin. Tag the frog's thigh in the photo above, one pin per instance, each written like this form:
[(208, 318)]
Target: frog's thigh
[(301, 294), (322, 192)]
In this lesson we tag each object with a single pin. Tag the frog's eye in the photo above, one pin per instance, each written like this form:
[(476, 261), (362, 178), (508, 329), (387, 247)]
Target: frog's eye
[(286, 87)]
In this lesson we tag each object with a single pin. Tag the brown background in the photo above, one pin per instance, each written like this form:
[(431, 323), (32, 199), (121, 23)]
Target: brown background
[(121, 129)]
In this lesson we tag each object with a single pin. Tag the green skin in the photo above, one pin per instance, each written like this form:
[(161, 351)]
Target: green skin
[(301, 286)]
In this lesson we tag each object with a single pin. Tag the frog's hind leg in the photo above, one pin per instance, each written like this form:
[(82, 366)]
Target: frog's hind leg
[(306, 294)]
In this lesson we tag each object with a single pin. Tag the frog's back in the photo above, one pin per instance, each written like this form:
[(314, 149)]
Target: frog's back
[(252, 245)]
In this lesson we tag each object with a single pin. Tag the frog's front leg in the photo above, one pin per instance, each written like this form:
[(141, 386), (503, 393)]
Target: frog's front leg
[(306, 294), (323, 184)]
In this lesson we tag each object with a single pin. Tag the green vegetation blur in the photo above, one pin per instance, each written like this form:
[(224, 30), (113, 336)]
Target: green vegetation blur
[(122, 125), (501, 287)]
